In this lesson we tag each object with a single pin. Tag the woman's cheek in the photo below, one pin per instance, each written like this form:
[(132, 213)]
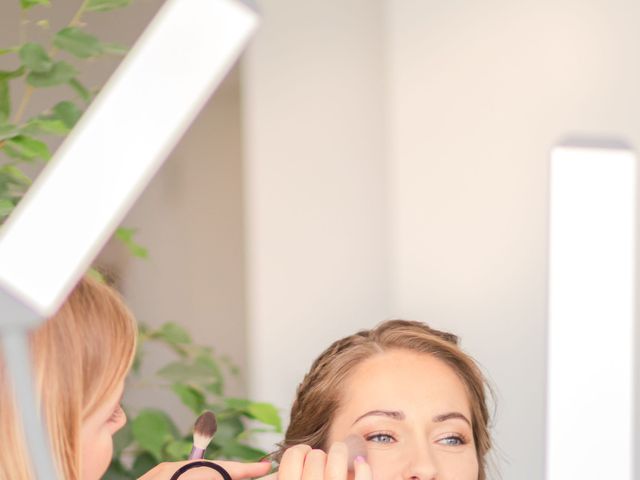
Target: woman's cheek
[(97, 457), (464, 466), (386, 464)]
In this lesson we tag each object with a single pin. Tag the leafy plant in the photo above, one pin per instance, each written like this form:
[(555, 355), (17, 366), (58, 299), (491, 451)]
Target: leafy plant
[(197, 377), (25, 142)]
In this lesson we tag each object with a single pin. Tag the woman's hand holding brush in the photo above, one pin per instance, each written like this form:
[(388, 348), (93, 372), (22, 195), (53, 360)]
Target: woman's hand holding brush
[(197, 469), (237, 471)]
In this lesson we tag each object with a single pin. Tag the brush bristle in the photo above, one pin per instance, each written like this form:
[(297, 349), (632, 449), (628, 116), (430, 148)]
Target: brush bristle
[(356, 447), (204, 429)]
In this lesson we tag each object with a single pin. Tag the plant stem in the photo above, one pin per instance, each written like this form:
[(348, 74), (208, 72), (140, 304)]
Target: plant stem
[(28, 91), (26, 96), (76, 18), (22, 32)]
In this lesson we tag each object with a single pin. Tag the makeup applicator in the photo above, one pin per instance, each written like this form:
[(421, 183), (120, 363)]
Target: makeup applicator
[(356, 447), (203, 431)]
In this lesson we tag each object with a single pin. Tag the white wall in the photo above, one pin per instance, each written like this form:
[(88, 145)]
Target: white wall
[(315, 185), (478, 93), (474, 94)]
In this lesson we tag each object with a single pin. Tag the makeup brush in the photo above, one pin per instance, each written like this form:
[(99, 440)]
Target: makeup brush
[(203, 431), (356, 447)]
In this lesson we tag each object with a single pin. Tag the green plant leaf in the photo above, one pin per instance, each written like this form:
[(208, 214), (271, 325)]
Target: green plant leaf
[(142, 464), (122, 439), (45, 126), (230, 364), (6, 207), (190, 396), (114, 49), (125, 235), (179, 371), (156, 437), (13, 184), (14, 175), (137, 359), (265, 413), (239, 404), (239, 451), (152, 429), (68, 112), (27, 4), (77, 42), (173, 333), (216, 387), (5, 100), (201, 371), (80, 89), (216, 381), (61, 73), (117, 471), (27, 148), (252, 431), (96, 275), (35, 58), (143, 329), (4, 51), (178, 450), (228, 429), (193, 351), (105, 5), (9, 74), (7, 131)]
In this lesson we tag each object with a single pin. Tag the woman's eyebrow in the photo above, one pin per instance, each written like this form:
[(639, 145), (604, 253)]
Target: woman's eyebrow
[(447, 416), (396, 415)]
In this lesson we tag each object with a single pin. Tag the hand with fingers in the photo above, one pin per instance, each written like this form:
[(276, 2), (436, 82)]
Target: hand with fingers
[(301, 462)]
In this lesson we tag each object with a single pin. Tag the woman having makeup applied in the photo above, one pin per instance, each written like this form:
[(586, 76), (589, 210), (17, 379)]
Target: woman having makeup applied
[(81, 357), (410, 396)]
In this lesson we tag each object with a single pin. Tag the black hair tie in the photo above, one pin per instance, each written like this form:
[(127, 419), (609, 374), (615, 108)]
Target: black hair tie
[(189, 466)]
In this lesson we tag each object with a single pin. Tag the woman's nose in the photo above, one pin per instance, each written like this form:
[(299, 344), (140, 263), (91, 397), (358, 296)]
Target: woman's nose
[(421, 465)]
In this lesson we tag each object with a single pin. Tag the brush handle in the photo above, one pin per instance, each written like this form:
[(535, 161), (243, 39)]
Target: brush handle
[(196, 453)]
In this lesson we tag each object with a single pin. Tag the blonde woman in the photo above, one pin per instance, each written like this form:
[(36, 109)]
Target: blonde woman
[(81, 358), (408, 391)]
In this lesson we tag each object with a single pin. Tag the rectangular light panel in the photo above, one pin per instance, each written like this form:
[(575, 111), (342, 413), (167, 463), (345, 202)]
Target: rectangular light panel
[(96, 175), (591, 314)]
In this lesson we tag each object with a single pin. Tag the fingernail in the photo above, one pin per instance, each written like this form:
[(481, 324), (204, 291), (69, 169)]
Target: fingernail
[(359, 459)]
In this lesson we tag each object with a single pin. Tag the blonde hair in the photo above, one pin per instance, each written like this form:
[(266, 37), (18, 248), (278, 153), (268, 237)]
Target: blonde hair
[(80, 355), (319, 395)]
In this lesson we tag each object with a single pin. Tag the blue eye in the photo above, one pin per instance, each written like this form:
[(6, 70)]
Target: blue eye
[(452, 441), (381, 438)]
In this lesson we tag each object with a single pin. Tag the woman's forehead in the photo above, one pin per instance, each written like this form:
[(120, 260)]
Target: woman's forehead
[(404, 379)]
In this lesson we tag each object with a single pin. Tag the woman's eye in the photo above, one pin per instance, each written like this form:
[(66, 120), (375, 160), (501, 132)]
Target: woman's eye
[(452, 441), (381, 438)]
